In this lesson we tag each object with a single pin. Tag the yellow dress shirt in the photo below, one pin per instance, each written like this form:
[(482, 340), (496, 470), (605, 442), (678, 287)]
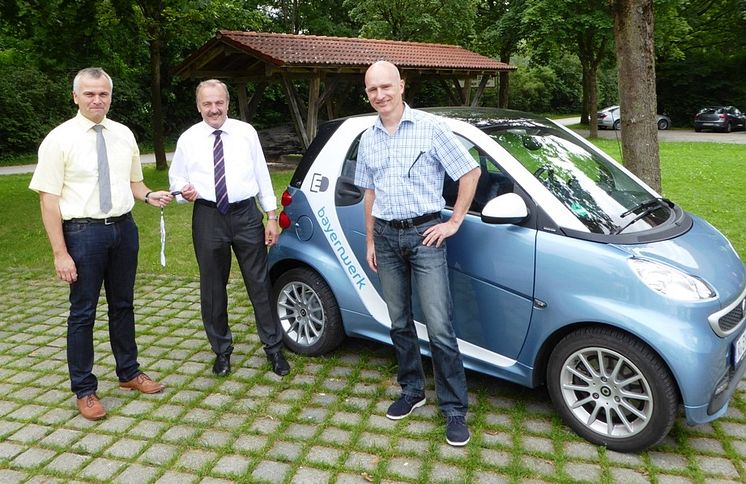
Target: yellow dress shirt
[(68, 167)]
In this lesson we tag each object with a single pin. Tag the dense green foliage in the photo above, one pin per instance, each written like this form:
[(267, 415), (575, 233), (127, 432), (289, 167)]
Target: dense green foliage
[(701, 50)]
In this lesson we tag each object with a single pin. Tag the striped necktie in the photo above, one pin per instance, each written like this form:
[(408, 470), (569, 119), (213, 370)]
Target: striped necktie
[(104, 182), (221, 190)]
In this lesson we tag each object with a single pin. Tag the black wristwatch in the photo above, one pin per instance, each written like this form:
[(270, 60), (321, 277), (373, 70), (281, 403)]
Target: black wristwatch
[(146, 197)]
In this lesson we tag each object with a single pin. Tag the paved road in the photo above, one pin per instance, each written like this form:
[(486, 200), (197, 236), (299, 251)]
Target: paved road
[(736, 137)]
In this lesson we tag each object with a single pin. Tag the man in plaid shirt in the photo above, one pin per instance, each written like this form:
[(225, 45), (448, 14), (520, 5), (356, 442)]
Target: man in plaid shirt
[(402, 161)]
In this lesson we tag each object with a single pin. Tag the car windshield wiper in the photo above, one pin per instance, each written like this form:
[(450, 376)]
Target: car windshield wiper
[(647, 208), (653, 202)]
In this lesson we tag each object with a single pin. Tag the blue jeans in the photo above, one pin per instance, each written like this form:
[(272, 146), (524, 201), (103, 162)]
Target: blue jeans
[(103, 254), (402, 259)]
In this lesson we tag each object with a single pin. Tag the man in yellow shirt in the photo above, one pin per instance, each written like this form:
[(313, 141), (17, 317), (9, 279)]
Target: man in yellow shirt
[(88, 177)]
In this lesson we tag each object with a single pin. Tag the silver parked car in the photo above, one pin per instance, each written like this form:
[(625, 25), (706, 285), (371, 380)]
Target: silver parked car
[(609, 118)]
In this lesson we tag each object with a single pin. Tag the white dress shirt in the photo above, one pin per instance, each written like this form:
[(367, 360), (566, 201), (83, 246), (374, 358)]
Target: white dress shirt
[(246, 171)]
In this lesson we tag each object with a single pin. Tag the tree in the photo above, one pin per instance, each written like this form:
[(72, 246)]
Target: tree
[(498, 33), (703, 59), (443, 21), (164, 22), (316, 17), (580, 26), (633, 32)]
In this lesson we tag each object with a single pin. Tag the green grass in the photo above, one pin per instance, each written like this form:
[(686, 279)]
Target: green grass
[(706, 179), (24, 244)]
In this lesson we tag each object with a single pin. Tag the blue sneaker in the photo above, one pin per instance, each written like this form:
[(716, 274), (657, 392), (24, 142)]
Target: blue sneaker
[(457, 433), (404, 406)]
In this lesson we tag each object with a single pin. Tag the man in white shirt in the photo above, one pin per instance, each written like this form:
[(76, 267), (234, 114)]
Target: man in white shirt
[(219, 165)]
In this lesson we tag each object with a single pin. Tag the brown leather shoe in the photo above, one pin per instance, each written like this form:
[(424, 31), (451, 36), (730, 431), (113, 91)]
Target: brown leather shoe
[(90, 407), (142, 383)]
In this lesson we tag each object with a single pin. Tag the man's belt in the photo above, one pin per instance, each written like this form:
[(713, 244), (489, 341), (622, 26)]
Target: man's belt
[(234, 205), (105, 221), (408, 223)]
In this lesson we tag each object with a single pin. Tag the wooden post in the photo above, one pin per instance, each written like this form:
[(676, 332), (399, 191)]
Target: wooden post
[(449, 90), (295, 110), (255, 99), (312, 119), (242, 101), (480, 90)]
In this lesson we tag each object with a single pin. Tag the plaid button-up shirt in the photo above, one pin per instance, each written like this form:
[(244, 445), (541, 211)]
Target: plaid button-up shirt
[(407, 169)]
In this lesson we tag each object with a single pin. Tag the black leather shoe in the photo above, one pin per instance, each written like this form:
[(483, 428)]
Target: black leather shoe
[(222, 365), (279, 364)]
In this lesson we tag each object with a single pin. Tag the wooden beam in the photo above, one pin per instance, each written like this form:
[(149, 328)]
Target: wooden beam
[(480, 90), (256, 97), (295, 110), (329, 88), (449, 91), (242, 101), (312, 119), (458, 91), (466, 91)]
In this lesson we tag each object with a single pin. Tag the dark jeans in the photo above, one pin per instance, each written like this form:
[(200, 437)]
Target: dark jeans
[(214, 235), (103, 254), (401, 257)]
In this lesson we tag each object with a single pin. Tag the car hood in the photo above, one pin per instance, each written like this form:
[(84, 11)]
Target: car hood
[(703, 252)]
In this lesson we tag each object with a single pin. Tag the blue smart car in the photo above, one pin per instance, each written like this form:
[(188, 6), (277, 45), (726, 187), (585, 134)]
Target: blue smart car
[(568, 272)]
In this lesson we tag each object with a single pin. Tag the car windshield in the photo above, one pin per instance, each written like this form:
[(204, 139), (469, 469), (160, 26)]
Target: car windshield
[(604, 198)]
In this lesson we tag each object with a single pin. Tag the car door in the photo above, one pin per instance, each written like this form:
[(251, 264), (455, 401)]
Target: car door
[(491, 266)]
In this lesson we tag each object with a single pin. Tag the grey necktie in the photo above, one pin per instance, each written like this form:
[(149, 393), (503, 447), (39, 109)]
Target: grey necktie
[(104, 183)]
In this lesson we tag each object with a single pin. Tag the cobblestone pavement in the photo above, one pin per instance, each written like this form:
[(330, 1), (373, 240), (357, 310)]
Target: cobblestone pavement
[(323, 423)]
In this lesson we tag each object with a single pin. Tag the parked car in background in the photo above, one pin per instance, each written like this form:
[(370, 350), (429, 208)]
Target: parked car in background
[(608, 118), (567, 271), (719, 118)]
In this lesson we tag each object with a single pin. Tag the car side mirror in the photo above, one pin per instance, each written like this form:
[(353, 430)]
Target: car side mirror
[(505, 209)]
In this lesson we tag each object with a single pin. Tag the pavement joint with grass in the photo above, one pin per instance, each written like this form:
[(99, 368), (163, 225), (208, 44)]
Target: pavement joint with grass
[(322, 423)]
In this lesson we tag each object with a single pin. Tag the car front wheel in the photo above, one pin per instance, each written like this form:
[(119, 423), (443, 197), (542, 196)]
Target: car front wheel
[(662, 124), (309, 314), (612, 389)]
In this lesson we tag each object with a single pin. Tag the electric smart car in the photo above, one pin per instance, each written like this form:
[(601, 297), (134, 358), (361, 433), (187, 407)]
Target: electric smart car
[(568, 271)]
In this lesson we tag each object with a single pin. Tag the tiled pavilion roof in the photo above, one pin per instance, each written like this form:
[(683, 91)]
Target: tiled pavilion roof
[(236, 53), (263, 58)]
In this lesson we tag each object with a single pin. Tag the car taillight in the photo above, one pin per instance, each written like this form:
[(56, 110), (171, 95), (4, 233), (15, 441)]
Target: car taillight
[(284, 220), (601, 116), (286, 198), (722, 116)]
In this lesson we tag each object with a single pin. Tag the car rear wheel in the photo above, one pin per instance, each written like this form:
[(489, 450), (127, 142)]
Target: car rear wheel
[(616, 124), (612, 389), (728, 127), (309, 314), (662, 124)]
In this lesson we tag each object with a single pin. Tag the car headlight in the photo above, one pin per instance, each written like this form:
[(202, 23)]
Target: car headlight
[(670, 282)]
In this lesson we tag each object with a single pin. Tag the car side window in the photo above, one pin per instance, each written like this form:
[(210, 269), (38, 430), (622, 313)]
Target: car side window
[(492, 181), (350, 164)]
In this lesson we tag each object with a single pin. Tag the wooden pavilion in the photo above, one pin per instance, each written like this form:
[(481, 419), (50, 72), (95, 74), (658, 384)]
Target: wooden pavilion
[(324, 62)]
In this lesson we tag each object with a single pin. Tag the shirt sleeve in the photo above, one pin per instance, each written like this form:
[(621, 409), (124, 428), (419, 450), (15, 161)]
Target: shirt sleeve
[(454, 157), (178, 176), (266, 195), (136, 166), (50, 169)]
